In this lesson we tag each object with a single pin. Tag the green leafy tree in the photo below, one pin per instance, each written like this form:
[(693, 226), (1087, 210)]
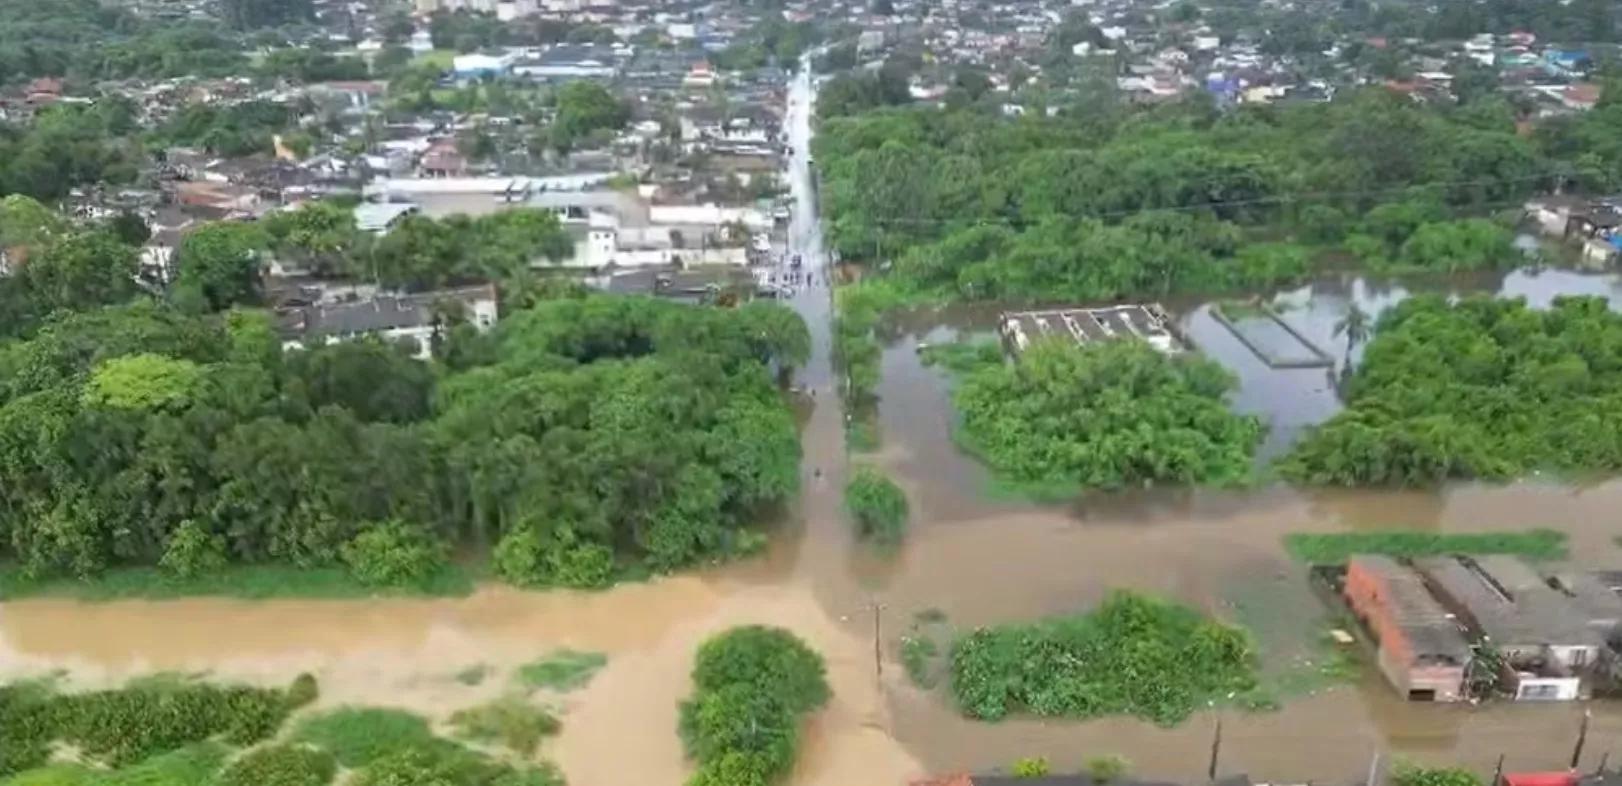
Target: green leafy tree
[(220, 265)]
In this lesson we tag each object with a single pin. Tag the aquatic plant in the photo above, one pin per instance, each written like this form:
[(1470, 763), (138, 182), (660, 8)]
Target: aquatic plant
[(1133, 655), (562, 670), (512, 721)]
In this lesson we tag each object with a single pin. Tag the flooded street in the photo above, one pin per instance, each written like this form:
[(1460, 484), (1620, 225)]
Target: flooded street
[(969, 554)]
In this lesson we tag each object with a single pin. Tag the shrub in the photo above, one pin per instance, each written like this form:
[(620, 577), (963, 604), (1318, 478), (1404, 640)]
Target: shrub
[(584, 566), (446, 764), (772, 660), (1103, 769), (520, 559), (281, 765), (877, 504), (1409, 775), (562, 670), (394, 554), (511, 720), (524, 558), (193, 551), (1031, 767), (751, 685), (303, 691), (358, 736), (1132, 655)]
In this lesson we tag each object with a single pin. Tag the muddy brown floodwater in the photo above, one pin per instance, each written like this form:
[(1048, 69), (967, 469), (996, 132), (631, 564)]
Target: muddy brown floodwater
[(974, 558)]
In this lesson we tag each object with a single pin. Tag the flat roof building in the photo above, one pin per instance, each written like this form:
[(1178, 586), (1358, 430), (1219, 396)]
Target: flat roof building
[(1090, 325)]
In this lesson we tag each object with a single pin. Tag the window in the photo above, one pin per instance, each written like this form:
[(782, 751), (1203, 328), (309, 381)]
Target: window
[(1579, 658)]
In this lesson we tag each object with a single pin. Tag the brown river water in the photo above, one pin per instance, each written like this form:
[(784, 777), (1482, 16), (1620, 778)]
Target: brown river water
[(968, 554)]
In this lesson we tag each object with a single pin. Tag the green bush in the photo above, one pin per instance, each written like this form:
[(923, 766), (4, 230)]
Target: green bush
[(877, 505), (772, 660), (562, 670), (394, 554), (357, 736), (1103, 769), (1409, 775), (1131, 656), (450, 765), (1334, 548), (281, 765), (523, 558), (752, 684), (303, 691), (1031, 767), (193, 551), (511, 720)]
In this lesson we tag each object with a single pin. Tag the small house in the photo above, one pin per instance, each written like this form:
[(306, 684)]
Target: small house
[(1548, 647), (1420, 648)]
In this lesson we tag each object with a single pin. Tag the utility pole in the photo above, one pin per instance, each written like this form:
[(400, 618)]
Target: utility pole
[(1582, 737), (1374, 768), (878, 645)]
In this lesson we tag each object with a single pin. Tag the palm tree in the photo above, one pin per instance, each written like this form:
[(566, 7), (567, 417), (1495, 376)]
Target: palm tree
[(1355, 326)]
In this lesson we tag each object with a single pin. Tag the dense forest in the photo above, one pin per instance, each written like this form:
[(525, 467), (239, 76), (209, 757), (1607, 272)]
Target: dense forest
[(1482, 388), (583, 437), (1108, 415), (1182, 197)]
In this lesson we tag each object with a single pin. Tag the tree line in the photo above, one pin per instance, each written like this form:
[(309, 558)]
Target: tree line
[(1185, 198), (583, 437)]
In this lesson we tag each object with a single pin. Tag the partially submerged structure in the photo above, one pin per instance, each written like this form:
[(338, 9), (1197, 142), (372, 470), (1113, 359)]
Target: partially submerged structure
[(1549, 647), (1420, 648), (1148, 322)]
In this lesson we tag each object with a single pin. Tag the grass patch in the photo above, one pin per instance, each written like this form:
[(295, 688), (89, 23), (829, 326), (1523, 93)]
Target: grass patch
[(473, 675), (562, 671), (358, 736), (510, 720), (1336, 548), (233, 581)]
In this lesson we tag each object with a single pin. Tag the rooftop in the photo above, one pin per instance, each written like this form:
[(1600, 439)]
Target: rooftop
[(1509, 602), (1429, 627)]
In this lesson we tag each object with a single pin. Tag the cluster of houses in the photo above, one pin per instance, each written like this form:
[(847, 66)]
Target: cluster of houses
[(1592, 225), (1153, 55), (1449, 628)]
